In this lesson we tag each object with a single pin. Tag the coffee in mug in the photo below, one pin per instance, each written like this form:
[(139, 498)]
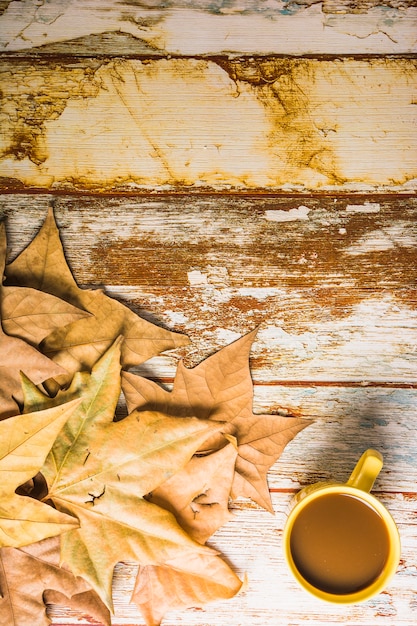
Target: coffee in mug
[(341, 543)]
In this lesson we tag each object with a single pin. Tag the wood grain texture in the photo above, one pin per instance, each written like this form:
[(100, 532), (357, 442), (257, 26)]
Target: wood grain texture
[(307, 124), (186, 27), (223, 165), (329, 281)]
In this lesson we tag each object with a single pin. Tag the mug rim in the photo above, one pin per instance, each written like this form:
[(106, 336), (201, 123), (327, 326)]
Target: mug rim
[(318, 490)]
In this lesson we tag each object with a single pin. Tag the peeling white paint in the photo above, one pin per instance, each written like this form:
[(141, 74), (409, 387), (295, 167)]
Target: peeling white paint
[(302, 345), (377, 341), (245, 28), (366, 207), (402, 235), (226, 336), (383, 239), (197, 278), (218, 276), (261, 293), (278, 215), (176, 317), (377, 241)]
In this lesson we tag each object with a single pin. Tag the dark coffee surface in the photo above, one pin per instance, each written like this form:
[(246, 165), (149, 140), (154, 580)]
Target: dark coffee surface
[(339, 543)]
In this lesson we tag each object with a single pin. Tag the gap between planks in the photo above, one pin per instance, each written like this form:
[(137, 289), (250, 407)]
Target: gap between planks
[(310, 383), (7, 189)]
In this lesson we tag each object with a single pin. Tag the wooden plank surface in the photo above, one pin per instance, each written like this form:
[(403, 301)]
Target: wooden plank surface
[(277, 124), (252, 543), (186, 27), (221, 166), (330, 281)]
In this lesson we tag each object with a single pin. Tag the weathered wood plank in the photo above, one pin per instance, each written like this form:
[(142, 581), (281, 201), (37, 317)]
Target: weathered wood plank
[(184, 27), (347, 421), (275, 124), (331, 281)]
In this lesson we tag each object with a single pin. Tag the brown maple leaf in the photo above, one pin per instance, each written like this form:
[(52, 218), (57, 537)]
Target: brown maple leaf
[(220, 388), (180, 584), (42, 265), (32, 315), (199, 494), (99, 470), (16, 356), (31, 577)]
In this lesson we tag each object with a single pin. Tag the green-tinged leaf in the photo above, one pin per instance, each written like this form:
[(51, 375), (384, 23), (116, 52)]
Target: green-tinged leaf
[(99, 470), (117, 526), (25, 441)]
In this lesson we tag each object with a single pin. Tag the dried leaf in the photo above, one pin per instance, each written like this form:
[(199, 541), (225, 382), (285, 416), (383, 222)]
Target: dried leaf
[(31, 314), (182, 584), (32, 576), (15, 356), (99, 470), (78, 346), (220, 388), (42, 265), (198, 495), (25, 441)]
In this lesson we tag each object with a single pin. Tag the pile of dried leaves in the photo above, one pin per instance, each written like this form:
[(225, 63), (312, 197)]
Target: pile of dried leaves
[(82, 490)]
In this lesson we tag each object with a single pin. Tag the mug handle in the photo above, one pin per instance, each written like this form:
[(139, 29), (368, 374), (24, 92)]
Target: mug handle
[(366, 470)]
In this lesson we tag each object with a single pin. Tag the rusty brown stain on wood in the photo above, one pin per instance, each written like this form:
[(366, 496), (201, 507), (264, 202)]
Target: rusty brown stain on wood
[(333, 246), (335, 249), (188, 122), (33, 95), (216, 267)]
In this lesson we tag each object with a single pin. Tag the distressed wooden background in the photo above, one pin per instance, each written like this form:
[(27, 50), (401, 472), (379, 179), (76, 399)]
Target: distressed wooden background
[(220, 165)]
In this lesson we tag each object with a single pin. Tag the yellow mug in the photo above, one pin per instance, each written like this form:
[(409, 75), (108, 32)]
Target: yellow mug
[(340, 542)]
